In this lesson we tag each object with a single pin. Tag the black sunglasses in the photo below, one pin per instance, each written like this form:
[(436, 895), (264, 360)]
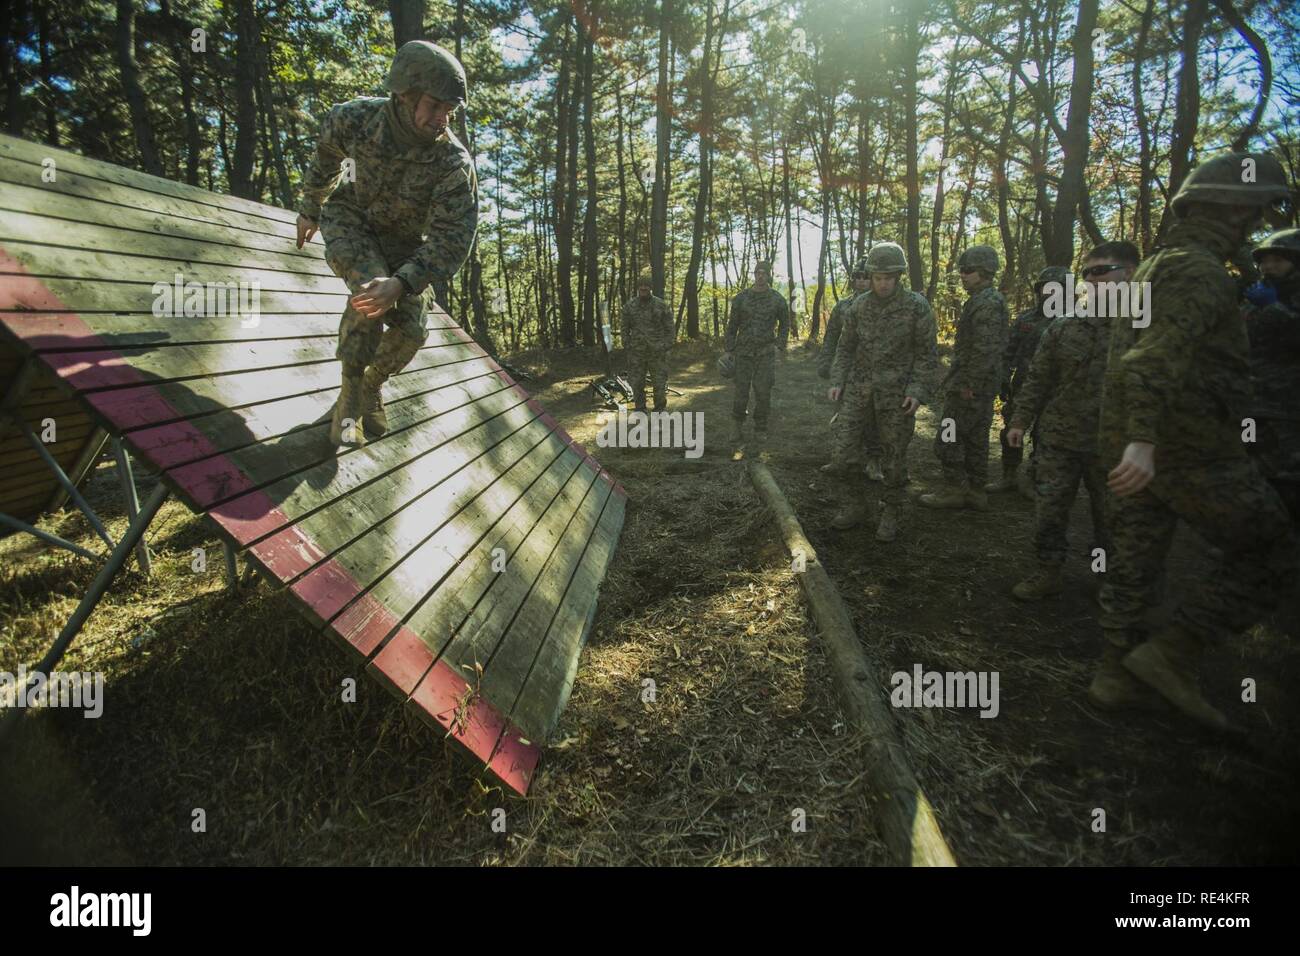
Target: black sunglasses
[(1093, 271)]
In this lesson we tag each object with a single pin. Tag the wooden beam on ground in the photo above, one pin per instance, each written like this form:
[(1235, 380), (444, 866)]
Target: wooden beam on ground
[(906, 820)]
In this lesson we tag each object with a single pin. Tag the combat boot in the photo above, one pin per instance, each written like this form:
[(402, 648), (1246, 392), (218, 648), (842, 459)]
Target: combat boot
[(977, 499), (852, 514), (951, 497), (1167, 663), (346, 421), (873, 470), (374, 418), (1008, 480), (1044, 582), (887, 530), (1114, 688)]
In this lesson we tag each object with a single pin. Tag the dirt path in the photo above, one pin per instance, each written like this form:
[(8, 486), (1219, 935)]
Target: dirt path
[(702, 726)]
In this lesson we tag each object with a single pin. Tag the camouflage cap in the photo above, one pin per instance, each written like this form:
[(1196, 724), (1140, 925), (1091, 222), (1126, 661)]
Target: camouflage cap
[(1234, 179), (764, 265), (886, 257), (1051, 274), (979, 257), (427, 68), (1285, 242)]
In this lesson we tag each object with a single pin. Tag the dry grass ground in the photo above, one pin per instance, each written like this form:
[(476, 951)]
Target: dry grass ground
[(232, 704)]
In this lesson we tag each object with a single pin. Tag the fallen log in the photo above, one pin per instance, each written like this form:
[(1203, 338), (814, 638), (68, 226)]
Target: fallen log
[(904, 817)]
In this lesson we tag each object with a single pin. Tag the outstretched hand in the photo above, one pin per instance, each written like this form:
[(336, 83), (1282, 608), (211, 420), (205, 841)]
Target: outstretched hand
[(910, 405)]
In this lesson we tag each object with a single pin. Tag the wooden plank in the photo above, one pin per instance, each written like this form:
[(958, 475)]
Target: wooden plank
[(408, 401), (19, 228), (48, 331), (538, 702), (552, 547), (383, 505), (443, 578), (125, 296), (22, 151), (87, 189), (58, 209), (105, 266), (318, 477), (145, 405), (26, 509)]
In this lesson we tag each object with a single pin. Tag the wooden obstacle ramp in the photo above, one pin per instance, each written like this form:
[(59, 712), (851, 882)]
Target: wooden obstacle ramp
[(460, 555)]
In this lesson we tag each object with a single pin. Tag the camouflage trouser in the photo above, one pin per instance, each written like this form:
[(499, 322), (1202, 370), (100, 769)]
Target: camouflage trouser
[(1231, 506), (355, 255), (758, 371), (1011, 455), (863, 409), (965, 459), (1057, 474), (856, 444), (652, 360)]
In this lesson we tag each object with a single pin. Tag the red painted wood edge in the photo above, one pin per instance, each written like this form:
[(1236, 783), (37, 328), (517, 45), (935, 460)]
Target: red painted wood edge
[(285, 555)]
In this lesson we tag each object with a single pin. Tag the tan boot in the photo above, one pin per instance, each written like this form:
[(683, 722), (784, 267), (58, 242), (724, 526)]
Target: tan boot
[(887, 530), (951, 498), (873, 470), (1007, 482), (1044, 582), (977, 499), (373, 417), (1114, 688), (345, 425), (1168, 663), (851, 515)]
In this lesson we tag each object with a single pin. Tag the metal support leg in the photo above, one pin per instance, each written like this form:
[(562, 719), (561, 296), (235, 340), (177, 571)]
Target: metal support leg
[(67, 484), (127, 480), (121, 553), (52, 538), (232, 566)]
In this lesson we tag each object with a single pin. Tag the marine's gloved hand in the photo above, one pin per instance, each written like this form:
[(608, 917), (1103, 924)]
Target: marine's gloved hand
[(1261, 294)]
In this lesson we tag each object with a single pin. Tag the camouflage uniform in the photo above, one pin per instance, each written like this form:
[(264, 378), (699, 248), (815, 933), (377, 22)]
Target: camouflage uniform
[(759, 324), (977, 365), (886, 353), (1274, 332), (1181, 384), (868, 441), (1061, 398), (410, 212), (647, 335)]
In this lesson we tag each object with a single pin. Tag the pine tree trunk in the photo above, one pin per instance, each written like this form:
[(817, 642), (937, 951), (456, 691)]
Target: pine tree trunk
[(134, 92)]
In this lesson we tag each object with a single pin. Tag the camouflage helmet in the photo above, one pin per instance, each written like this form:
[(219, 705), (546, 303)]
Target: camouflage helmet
[(726, 365), (1234, 179), (645, 278), (860, 269), (886, 257), (427, 68), (1051, 274), (979, 257), (1284, 243), (764, 265)]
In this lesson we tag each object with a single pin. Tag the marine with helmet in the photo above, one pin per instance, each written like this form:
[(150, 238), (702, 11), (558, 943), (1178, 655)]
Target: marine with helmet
[(885, 368), (1273, 324), (1022, 342), (648, 334), (962, 439), (1176, 391), (395, 196), (867, 441)]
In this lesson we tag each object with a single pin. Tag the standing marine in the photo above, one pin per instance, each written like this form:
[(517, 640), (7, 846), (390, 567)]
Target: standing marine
[(1022, 342), (759, 326), (648, 334), (885, 366), (868, 441), (1176, 392), (395, 197), (961, 441)]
